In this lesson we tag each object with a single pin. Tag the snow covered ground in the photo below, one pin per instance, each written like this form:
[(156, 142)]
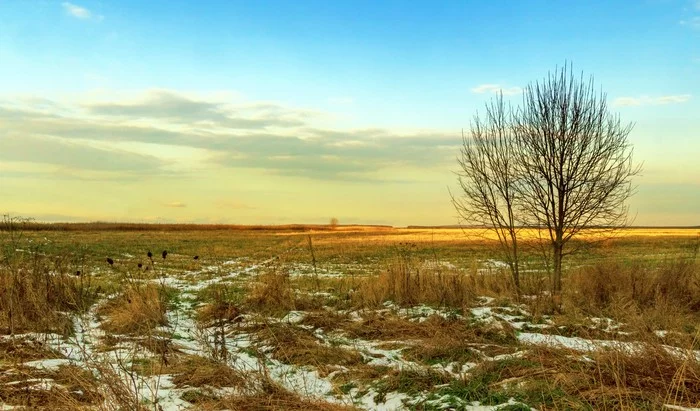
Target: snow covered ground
[(86, 348)]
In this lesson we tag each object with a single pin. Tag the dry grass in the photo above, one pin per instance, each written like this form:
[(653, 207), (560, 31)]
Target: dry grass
[(646, 299), (442, 351), (613, 379), (36, 290), (562, 379), (411, 380), (272, 397), (434, 328), (273, 293), (67, 388), (293, 345), (359, 376), (14, 350), (195, 371), (115, 226), (406, 284), (470, 235), (137, 310), (650, 375), (118, 392), (326, 320), (219, 311), (674, 282)]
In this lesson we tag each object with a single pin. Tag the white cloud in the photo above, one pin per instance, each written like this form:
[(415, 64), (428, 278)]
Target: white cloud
[(682, 98), (496, 89), (693, 22), (77, 11), (170, 127), (651, 101), (80, 12), (175, 204)]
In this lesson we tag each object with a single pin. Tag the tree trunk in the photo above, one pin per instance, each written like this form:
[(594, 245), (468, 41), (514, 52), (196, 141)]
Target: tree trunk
[(516, 265), (516, 277), (558, 249)]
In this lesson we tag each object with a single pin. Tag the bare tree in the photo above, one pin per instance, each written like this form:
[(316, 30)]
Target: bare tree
[(575, 161), (488, 178), (560, 163)]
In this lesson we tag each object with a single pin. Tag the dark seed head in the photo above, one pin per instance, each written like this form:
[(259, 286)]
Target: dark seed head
[(149, 254), (77, 273), (140, 265), (110, 261), (165, 254), (196, 257)]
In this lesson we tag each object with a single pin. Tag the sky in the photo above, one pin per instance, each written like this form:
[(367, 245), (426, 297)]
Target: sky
[(271, 112)]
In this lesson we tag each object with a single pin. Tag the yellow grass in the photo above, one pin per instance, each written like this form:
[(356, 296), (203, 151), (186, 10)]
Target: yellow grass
[(388, 236)]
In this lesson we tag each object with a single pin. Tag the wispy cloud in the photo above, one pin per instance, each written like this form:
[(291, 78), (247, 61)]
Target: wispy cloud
[(266, 137), (71, 154), (691, 19), (80, 12), (175, 204), (692, 22), (496, 89), (651, 101), (177, 108)]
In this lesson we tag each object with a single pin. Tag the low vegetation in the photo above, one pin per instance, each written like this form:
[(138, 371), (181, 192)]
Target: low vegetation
[(374, 318)]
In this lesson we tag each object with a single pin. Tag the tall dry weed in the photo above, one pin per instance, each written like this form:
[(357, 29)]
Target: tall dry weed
[(137, 310), (37, 291), (408, 285), (273, 293)]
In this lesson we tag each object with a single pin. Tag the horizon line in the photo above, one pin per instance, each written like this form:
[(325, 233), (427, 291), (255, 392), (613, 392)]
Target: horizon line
[(32, 225)]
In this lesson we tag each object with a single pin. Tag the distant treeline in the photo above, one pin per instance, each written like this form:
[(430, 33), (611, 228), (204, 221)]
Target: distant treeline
[(108, 226), (675, 227), (114, 226)]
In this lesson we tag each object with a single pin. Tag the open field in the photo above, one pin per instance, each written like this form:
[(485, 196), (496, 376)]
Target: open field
[(320, 318)]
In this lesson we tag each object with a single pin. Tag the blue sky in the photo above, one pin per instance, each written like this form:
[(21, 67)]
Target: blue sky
[(345, 109)]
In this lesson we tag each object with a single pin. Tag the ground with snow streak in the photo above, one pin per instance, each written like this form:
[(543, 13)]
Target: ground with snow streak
[(267, 326)]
